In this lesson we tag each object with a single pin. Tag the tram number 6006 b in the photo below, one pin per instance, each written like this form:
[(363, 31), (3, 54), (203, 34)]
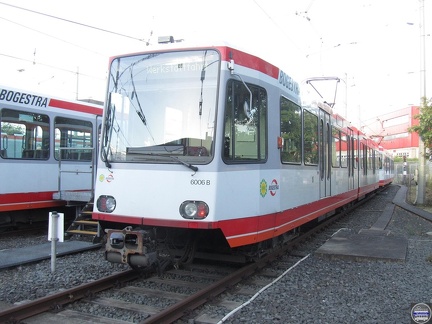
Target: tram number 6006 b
[(197, 182)]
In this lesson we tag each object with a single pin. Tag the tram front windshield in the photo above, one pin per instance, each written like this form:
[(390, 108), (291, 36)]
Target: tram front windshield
[(161, 108)]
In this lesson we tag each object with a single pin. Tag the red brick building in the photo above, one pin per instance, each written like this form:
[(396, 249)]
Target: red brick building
[(391, 132)]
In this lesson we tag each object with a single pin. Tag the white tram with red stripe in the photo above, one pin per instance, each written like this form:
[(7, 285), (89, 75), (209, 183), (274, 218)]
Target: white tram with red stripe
[(39, 135), (386, 167), (210, 148)]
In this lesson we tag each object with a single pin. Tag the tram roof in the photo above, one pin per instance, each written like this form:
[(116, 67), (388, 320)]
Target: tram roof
[(31, 99)]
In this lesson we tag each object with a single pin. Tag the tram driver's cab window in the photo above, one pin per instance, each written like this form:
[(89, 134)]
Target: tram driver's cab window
[(24, 135), (245, 123)]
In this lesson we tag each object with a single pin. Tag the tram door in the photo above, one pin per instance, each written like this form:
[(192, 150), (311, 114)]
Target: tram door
[(324, 154), (351, 160)]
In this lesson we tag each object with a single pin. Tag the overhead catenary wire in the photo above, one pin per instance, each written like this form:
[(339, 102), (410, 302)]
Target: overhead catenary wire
[(67, 70), (51, 36), (276, 25), (73, 22), (61, 39), (51, 66)]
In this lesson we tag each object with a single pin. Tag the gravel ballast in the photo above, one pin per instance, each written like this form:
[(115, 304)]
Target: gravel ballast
[(317, 290), (322, 290)]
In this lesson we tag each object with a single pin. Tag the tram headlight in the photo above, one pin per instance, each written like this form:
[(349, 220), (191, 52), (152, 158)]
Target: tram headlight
[(106, 204), (192, 209)]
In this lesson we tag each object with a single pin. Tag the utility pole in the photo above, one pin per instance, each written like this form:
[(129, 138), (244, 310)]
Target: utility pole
[(77, 83), (421, 187)]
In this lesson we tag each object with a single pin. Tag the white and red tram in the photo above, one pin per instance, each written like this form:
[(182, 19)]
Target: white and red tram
[(211, 146), (386, 167), (36, 132)]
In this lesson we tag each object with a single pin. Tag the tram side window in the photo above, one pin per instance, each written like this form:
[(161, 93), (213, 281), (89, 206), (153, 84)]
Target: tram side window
[(355, 153), (310, 138), (370, 159), (378, 163), (364, 158), (290, 116), (245, 134), (73, 139), (24, 135), (390, 165), (344, 154), (336, 147)]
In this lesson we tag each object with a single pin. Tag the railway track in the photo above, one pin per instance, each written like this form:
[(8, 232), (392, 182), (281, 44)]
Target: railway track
[(10, 231), (53, 308), (185, 289)]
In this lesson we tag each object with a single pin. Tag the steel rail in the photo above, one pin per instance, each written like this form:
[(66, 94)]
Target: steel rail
[(56, 301)]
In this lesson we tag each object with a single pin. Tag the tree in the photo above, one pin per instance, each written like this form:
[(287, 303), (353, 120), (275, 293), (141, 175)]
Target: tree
[(12, 129), (424, 128)]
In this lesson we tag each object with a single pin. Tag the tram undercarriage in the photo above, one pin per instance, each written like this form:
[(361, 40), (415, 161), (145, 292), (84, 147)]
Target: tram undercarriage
[(159, 248)]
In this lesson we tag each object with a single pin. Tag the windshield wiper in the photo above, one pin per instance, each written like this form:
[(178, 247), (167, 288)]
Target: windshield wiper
[(108, 132), (172, 157), (138, 110), (188, 165)]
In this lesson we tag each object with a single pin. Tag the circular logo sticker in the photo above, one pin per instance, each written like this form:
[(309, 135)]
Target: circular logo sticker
[(273, 187), (101, 178), (421, 313)]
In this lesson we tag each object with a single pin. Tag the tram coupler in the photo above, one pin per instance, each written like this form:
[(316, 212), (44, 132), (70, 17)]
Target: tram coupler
[(130, 247)]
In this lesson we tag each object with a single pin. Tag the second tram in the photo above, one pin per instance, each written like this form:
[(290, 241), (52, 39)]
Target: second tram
[(47, 145)]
